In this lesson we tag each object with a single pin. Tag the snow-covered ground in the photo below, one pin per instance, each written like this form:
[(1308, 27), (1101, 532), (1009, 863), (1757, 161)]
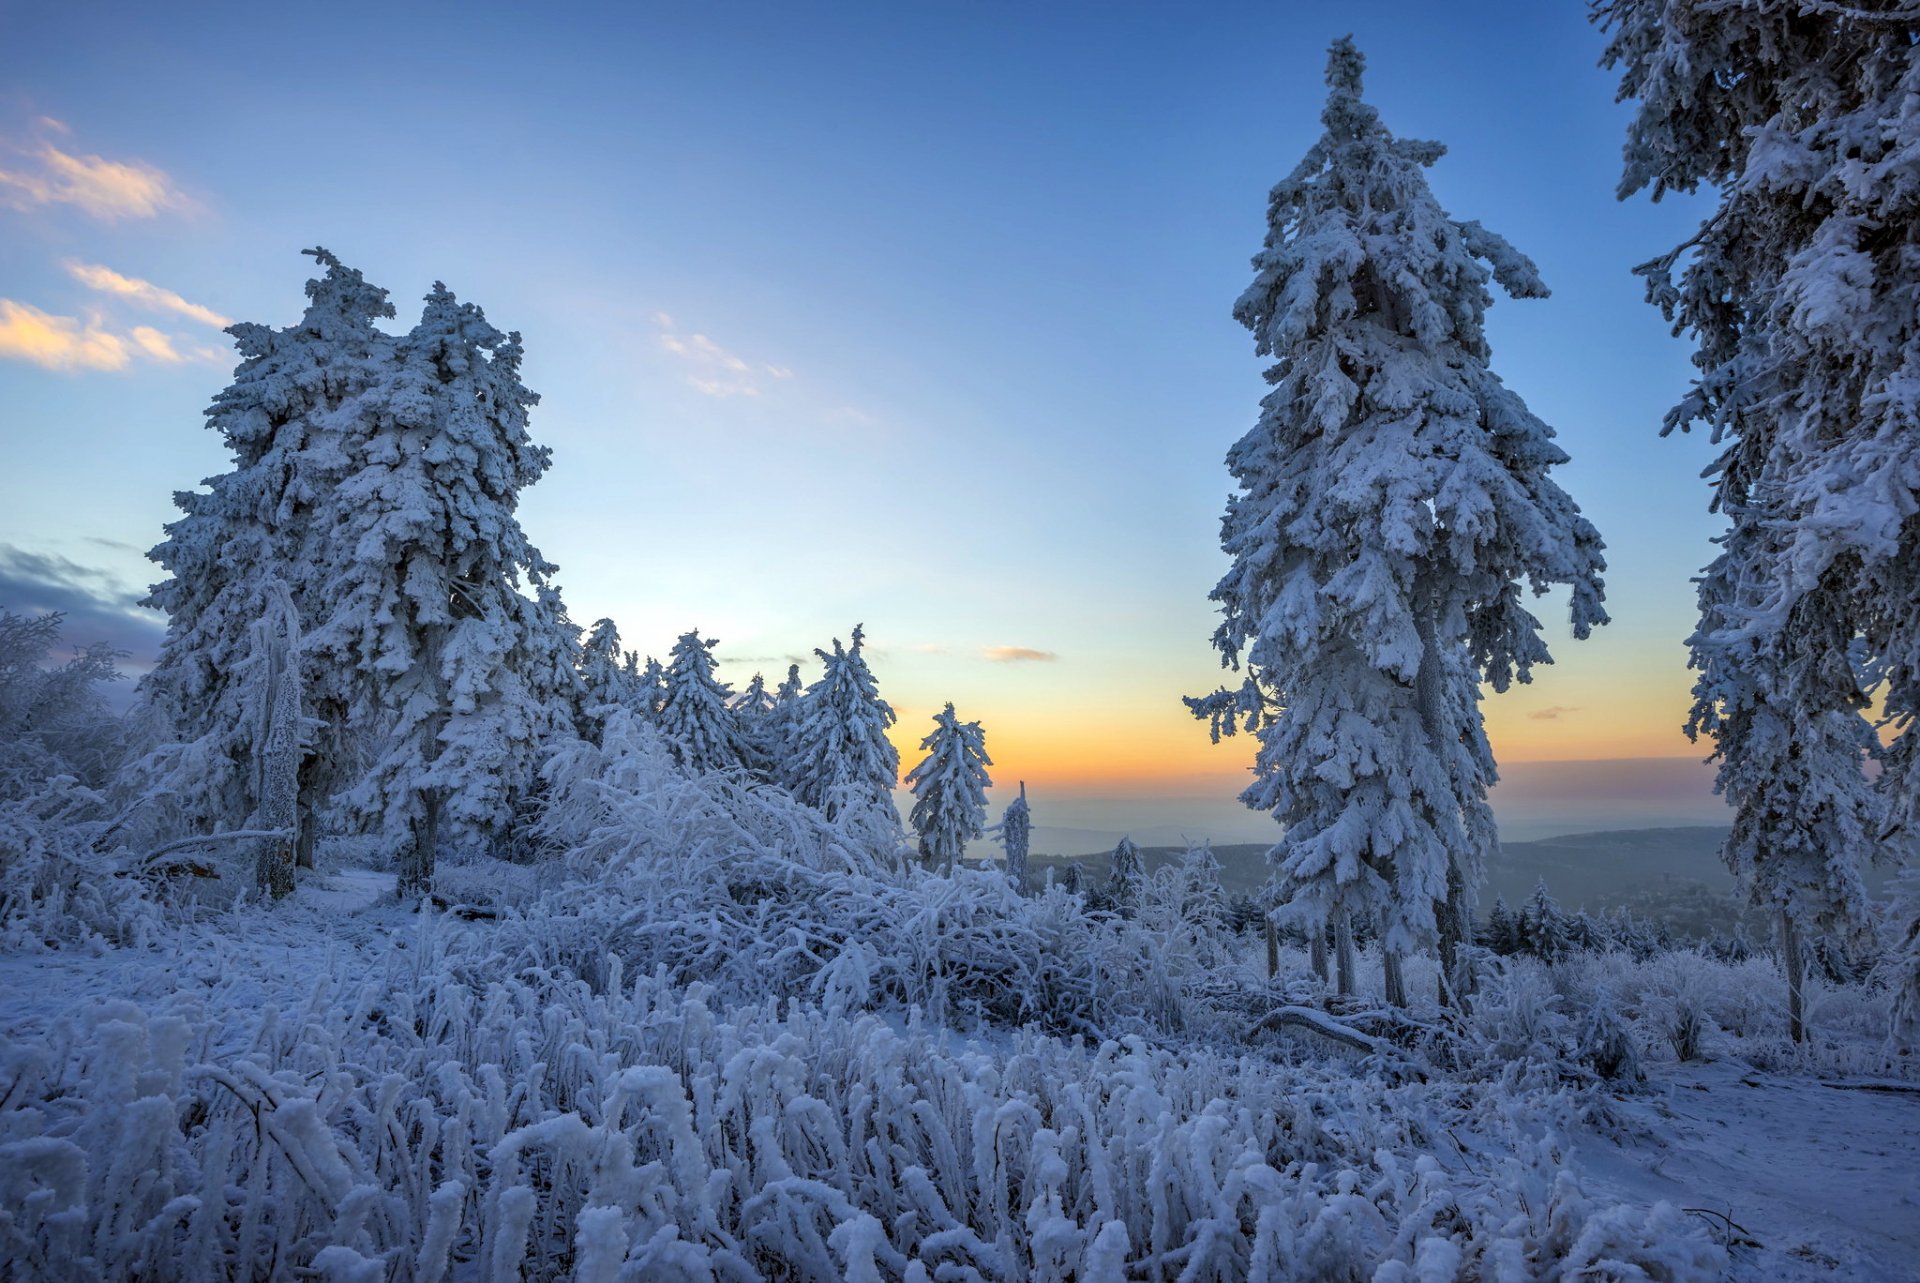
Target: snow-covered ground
[(507, 1075), (1807, 1177)]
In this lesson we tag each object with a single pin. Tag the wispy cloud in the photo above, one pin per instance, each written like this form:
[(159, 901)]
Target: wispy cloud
[(58, 342), (39, 173), (711, 369), (1551, 714), (144, 293), (70, 344), (1018, 655)]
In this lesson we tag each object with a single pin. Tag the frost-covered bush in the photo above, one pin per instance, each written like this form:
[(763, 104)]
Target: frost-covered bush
[(53, 719), (716, 877), (410, 1124), (57, 888), (60, 880)]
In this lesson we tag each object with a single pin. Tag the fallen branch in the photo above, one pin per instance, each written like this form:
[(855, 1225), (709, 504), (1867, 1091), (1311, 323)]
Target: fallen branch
[(1746, 1235), (465, 912), (1898, 1089), (238, 835), (1320, 1023)]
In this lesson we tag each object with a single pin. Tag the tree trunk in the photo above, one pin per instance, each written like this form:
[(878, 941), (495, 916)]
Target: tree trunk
[(277, 771), (416, 870), (1317, 951), (1454, 921), (1394, 972), (1793, 963), (1343, 954), (1273, 948)]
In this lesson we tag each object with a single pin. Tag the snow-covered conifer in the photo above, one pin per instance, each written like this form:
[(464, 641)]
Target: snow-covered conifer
[(1542, 926), (1015, 831), (695, 709), (760, 736), (294, 422), (950, 789), (468, 676), (1203, 901), (1126, 875), (652, 686), (838, 753), (1801, 292), (609, 676), (1393, 501)]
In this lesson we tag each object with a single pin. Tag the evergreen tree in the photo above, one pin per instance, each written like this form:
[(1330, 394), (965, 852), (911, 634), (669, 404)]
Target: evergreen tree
[(1126, 876), (1802, 293), (1501, 934), (467, 676), (1543, 927), (652, 686), (293, 422), (839, 754), (779, 726), (753, 710), (695, 710), (1203, 901), (1393, 499), (950, 789), (1016, 834), (609, 676)]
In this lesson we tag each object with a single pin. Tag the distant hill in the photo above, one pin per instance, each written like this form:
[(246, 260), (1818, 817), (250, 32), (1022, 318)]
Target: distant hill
[(1646, 869)]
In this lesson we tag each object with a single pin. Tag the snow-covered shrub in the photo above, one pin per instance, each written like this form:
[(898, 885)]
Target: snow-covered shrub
[(61, 882), (451, 1114), (57, 888), (1519, 1016), (717, 877)]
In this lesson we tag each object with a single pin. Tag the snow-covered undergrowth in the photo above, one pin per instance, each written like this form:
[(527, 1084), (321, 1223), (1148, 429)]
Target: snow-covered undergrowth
[(410, 1124), (742, 1042)]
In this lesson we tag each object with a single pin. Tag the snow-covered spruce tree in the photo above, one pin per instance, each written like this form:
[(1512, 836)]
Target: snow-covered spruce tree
[(293, 421), (838, 753), (695, 713), (950, 789), (760, 737), (1802, 291), (1393, 499), (468, 677), (1015, 832), (653, 687), (1126, 876), (609, 676), (778, 727)]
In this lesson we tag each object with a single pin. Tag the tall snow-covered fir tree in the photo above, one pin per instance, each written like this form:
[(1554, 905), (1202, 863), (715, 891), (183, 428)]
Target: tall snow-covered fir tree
[(1015, 832), (1802, 291), (950, 789), (292, 421), (696, 715), (838, 754), (1393, 500), (441, 609)]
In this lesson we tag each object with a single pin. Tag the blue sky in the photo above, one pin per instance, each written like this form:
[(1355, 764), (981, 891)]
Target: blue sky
[(910, 315)]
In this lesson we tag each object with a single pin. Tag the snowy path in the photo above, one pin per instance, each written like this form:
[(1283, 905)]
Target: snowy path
[(1827, 1181)]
